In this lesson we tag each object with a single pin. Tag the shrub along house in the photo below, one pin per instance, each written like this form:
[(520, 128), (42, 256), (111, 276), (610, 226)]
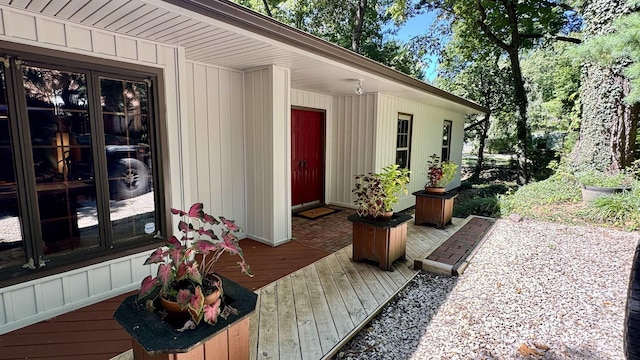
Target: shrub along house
[(111, 111)]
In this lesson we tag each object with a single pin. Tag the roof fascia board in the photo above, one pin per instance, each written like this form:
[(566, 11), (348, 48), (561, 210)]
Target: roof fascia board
[(238, 16)]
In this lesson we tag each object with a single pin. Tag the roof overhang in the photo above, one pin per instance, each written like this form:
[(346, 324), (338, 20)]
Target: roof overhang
[(222, 33)]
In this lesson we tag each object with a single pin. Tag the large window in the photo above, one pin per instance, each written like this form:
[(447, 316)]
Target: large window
[(446, 140), (78, 167), (403, 143)]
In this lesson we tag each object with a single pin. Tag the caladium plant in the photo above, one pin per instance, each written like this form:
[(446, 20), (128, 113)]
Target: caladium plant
[(186, 260)]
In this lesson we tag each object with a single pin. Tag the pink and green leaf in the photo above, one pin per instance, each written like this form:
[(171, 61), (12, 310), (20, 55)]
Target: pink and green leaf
[(185, 227), (211, 312), (229, 224), (209, 219), (173, 242), (155, 257), (207, 232), (184, 297), (196, 211), (204, 246), (148, 285), (196, 305), (194, 274), (229, 243), (178, 212), (244, 268), (165, 275)]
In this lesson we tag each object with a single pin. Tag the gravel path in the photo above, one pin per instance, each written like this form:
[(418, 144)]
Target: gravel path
[(534, 290)]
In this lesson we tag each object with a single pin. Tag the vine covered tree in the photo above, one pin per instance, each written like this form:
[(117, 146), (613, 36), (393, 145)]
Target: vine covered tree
[(609, 106)]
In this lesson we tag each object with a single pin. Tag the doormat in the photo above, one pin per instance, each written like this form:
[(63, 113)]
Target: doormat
[(316, 213)]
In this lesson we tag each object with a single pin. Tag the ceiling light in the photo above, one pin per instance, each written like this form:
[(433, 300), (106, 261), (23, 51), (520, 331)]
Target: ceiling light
[(359, 89)]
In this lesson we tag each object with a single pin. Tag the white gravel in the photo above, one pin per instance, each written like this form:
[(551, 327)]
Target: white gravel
[(534, 290)]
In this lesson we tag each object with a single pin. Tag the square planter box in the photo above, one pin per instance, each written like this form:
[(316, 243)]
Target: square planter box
[(434, 209), (155, 339), (381, 241)]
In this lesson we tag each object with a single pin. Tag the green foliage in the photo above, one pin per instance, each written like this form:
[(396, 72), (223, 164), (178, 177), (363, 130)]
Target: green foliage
[(623, 44), (378, 193), (622, 209), (559, 188), (335, 22), (481, 206), (608, 179)]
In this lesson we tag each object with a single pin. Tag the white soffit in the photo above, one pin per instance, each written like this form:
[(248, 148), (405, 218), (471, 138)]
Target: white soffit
[(215, 42)]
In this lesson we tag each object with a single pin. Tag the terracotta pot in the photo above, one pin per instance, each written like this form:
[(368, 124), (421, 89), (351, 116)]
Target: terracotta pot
[(173, 306), (435, 190)]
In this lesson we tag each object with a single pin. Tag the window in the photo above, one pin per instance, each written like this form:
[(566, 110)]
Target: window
[(403, 145), (446, 141), (78, 167)]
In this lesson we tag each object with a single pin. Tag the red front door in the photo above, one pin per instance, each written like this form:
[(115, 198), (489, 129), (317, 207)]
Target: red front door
[(307, 156)]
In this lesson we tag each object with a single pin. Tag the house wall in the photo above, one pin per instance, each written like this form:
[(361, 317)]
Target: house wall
[(30, 302), (268, 154), (216, 142), (354, 144), (426, 139)]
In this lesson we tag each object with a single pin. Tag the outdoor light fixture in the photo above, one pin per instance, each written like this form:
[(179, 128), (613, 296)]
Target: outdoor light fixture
[(359, 89)]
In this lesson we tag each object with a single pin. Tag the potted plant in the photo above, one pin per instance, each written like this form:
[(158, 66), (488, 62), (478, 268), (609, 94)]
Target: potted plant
[(186, 280), (596, 183), (439, 173), (376, 194)]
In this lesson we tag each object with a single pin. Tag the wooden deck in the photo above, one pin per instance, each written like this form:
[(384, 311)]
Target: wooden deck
[(311, 301), (314, 311)]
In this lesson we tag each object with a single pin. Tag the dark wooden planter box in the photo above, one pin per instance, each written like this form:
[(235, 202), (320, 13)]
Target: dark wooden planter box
[(382, 241), (155, 339), (434, 209)]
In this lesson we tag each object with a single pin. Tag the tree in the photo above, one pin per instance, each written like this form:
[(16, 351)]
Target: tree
[(610, 100), (482, 80), (358, 25), (509, 25)]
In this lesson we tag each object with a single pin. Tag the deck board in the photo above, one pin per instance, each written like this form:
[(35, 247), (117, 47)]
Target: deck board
[(309, 339), (288, 338)]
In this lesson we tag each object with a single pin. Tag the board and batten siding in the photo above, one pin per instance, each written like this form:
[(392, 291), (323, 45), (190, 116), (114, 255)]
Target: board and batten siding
[(309, 100), (216, 150), (353, 138), (268, 154), (426, 139), (37, 300)]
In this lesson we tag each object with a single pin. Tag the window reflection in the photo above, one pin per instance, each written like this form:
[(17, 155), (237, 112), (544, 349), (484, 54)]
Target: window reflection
[(128, 150), (11, 240), (57, 108)]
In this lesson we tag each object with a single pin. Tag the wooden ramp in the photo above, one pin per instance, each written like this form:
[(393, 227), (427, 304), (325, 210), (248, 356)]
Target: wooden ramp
[(313, 312)]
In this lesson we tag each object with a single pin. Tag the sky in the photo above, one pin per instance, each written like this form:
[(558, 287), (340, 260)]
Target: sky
[(416, 26)]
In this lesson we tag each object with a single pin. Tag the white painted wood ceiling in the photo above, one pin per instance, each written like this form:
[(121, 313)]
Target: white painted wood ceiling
[(211, 41)]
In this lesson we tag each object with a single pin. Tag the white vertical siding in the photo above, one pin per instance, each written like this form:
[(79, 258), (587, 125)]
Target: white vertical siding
[(215, 123), (268, 154), (426, 139), (354, 144), (30, 302)]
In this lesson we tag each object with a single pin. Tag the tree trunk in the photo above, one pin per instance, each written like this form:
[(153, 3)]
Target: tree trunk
[(481, 143), (522, 132), (357, 29), (609, 125)]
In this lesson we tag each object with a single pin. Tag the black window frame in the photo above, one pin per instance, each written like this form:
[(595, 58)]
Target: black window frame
[(402, 117), (94, 68), (445, 154)]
